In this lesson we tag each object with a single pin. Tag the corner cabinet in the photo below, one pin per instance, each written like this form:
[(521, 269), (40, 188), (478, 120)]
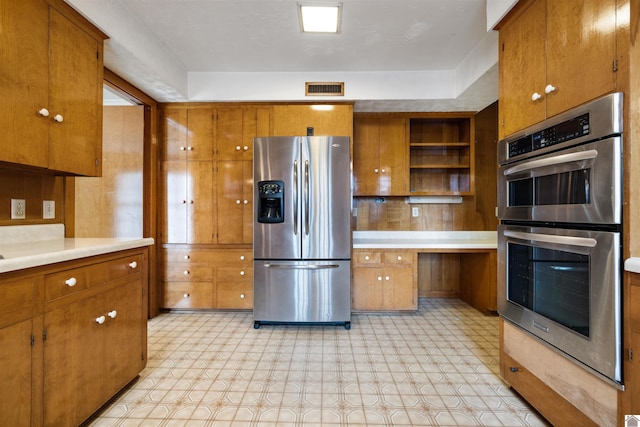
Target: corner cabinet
[(51, 96), (544, 47), (442, 155), (75, 334)]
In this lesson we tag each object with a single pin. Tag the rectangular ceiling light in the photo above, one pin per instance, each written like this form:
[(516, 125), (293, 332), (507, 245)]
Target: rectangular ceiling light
[(320, 18)]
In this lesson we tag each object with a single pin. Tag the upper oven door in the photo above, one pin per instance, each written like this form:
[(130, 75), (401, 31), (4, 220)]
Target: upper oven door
[(581, 184)]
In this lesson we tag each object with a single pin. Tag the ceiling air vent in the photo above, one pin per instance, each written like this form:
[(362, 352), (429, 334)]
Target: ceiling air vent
[(324, 89)]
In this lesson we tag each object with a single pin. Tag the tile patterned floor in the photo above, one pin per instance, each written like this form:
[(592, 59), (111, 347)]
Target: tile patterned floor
[(437, 367)]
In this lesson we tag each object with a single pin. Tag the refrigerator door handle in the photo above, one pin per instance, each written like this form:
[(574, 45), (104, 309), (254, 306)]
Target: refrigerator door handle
[(306, 197), (295, 197), (302, 267)]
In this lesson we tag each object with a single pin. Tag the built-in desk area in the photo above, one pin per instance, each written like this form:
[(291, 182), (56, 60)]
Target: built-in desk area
[(391, 269)]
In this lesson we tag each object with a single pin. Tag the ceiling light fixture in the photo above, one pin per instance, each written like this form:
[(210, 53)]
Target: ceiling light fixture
[(320, 17)]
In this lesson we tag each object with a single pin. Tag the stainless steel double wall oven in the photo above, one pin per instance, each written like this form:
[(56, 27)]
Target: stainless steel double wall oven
[(559, 243)]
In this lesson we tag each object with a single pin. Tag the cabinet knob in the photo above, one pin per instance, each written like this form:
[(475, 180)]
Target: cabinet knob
[(186, 272), (376, 170), (238, 201), (399, 258), (238, 148), (43, 112), (242, 273), (241, 296), (71, 282), (187, 257), (383, 171), (246, 202), (386, 278), (100, 320), (366, 257), (58, 118), (183, 148), (184, 202), (186, 296), (246, 147), (514, 369), (241, 257), (190, 202), (133, 264), (112, 314), (549, 88), (189, 148), (380, 278), (535, 96)]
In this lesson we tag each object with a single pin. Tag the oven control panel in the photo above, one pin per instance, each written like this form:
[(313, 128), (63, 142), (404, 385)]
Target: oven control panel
[(556, 134)]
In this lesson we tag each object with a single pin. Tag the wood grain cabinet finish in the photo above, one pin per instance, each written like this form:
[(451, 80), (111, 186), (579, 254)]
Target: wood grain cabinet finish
[(544, 48), (380, 156), (74, 346), (51, 96), (384, 280), (206, 278)]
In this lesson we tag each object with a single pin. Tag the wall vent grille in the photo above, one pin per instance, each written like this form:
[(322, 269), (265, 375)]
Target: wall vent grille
[(324, 89)]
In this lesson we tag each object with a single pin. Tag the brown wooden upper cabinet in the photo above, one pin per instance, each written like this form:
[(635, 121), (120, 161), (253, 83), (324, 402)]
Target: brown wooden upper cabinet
[(325, 119), (235, 129), (380, 166), (545, 48), (51, 69)]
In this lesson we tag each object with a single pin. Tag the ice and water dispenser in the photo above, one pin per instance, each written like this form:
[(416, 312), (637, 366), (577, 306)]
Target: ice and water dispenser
[(270, 201)]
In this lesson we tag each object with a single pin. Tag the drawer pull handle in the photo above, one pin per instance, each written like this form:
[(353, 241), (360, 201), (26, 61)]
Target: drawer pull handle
[(237, 148), (242, 273), (399, 258), (71, 282), (112, 314), (186, 295), (246, 147), (100, 320), (187, 257), (386, 277), (535, 96), (366, 258), (241, 257), (133, 264), (241, 296), (514, 369), (58, 118), (43, 112), (380, 278), (186, 272)]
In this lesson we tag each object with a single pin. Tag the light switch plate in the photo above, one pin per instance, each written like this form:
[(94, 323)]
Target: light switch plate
[(48, 209), (18, 209), (415, 211)]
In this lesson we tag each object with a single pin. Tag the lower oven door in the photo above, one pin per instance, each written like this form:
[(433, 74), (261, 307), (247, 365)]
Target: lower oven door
[(563, 286)]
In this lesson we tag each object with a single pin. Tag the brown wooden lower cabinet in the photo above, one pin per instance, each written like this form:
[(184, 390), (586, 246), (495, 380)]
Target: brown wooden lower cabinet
[(71, 336), (384, 280), (206, 278)]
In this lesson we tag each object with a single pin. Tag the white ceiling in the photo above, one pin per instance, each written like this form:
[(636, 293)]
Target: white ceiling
[(427, 55)]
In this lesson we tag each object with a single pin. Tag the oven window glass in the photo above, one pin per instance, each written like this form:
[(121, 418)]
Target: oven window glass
[(521, 192), (552, 283), (567, 188)]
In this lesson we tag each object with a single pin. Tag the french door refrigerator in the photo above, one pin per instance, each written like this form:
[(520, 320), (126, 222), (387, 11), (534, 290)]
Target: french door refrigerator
[(302, 230)]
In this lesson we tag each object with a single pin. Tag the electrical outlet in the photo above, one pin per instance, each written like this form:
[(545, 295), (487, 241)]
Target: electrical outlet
[(18, 209), (48, 209), (415, 211)]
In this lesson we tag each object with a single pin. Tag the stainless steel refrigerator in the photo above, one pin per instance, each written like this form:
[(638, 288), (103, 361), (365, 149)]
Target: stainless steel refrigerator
[(302, 230)]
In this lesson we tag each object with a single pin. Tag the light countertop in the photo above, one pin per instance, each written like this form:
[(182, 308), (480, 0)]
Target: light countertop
[(632, 264), (432, 240), (35, 245)]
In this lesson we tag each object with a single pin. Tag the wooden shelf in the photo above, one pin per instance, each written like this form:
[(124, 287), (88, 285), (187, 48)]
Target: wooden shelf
[(442, 166), (440, 144)]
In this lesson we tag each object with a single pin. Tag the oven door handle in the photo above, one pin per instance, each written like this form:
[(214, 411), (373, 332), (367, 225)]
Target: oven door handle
[(586, 242), (550, 161)]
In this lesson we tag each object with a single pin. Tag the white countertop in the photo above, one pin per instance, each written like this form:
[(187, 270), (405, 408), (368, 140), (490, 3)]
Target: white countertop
[(632, 264), (425, 239), (34, 246)]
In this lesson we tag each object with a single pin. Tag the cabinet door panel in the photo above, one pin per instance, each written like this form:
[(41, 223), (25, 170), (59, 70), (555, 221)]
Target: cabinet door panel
[(15, 374), (75, 71), (24, 87), (231, 199), (399, 290), (174, 202), (579, 32), (393, 158), (200, 134), (200, 202), (366, 291), (228, 133), (523, 69), (174, 132), (247, 208), (366, 156)]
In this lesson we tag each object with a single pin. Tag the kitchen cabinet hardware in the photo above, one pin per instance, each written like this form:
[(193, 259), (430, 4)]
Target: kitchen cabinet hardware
[(536, 96), (133, 264), (549, 88), (58, 118), (112, 314), (514, 369), (71, 282), (100, 320), (43, 112)]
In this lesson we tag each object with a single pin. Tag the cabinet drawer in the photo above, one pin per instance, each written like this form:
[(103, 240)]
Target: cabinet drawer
[(74, 280), (234, 274), (234, 295), (188, 295), (186, 255), (124, 266), (400, 258), (183, 272), (367, 257), (234, 257)]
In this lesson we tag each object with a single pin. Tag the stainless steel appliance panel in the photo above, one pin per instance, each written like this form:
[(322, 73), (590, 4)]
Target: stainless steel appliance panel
[(301, 291), (326, 198), (278, 158), (563, 286)]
